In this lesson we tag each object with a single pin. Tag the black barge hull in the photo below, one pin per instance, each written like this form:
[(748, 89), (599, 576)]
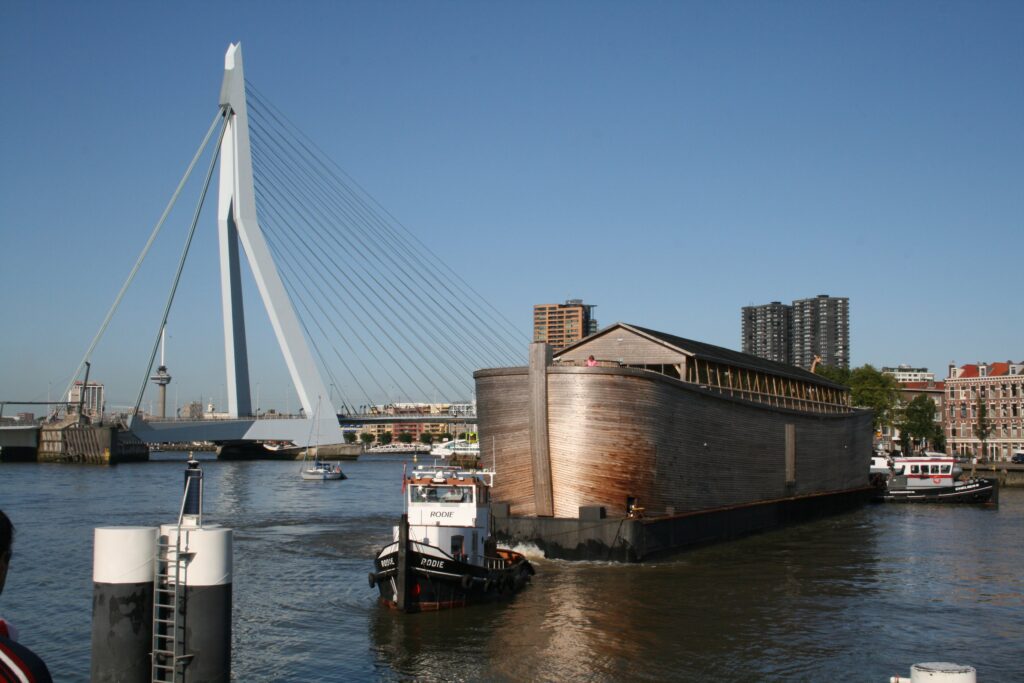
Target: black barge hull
[(971, 492)]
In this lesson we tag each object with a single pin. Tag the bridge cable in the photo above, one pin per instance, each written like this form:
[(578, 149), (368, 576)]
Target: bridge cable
[(302, 242), (390, 236), (286, 277), (333, 170), (145, 252), (287, 258), (226, 113), (380, 287), (412, 291)]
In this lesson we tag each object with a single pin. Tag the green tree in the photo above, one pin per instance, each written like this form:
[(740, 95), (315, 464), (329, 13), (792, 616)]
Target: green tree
[(919, 420), (386, 438), (350, 437), (869, 388), (426, 438), (982, 430), (834, 374), (366, 438), (405, 437)]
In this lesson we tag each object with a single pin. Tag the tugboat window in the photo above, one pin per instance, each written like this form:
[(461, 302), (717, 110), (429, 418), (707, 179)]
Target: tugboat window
[(441, 494)]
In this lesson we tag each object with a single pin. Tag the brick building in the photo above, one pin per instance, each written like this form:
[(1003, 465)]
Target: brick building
[(562, 324), (1000, 388)]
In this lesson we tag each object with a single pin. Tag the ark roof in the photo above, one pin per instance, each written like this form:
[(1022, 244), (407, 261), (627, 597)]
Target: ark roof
[(714, 354)]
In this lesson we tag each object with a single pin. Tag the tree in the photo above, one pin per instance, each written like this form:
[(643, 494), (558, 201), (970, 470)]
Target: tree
[(919, 420), (386, 438), (367, 438), (834, 374), (426, 438), (405, 437), (350, 437), (872, 389), (982, 430)]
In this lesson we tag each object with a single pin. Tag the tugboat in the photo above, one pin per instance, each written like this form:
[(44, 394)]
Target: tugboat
[(442, 555), (932, 478)]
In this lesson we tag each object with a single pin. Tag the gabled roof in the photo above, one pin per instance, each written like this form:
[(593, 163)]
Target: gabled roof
[(972, 370), (968, 371), (998, 369), (714, 354)]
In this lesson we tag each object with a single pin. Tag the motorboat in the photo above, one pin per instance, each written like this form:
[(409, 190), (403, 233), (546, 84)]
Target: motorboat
[(934, 478), (456, 447), (442, 554)]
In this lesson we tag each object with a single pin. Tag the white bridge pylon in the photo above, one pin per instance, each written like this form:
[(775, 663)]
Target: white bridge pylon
[(237, 222)]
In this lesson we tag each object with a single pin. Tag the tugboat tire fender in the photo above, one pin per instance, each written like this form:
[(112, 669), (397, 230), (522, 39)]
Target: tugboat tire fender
[(467, 581), (372, 579)]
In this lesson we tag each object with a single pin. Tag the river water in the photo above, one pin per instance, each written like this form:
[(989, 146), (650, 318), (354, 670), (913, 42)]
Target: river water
[(860, 596)]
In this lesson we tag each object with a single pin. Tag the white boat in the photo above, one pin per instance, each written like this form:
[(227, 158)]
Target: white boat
[(934, 478), (881, 464), (458, 447), (317, 470)]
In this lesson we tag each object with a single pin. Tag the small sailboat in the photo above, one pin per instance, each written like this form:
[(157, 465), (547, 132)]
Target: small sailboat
[(317, 469)]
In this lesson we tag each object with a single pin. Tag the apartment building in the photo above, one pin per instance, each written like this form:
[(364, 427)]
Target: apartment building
[(999, 387), (562, 324)]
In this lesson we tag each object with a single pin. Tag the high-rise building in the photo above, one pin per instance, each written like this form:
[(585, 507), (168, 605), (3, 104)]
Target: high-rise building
[(796, 334), (562, 324), (766, 331), (821, 327)]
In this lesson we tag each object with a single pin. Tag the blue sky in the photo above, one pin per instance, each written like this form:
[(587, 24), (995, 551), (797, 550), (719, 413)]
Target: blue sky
[(668, 162)]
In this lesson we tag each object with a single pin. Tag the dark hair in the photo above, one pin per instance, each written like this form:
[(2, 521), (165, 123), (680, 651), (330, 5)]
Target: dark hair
[(6, 534)]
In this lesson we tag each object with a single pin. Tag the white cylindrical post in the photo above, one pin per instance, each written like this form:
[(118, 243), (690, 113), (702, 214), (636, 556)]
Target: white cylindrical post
[(122, 603), (939, 672), (206, 608)]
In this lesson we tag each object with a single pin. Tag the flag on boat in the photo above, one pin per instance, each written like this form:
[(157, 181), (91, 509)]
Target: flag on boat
[(403, 477)]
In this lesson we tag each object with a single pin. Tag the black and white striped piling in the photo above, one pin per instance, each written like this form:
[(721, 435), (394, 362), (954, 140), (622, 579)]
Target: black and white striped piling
[(206, 610), (122, 603), (187, 560)]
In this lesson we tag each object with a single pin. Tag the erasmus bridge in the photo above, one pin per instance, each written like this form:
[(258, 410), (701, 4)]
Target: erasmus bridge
[(354, 298)]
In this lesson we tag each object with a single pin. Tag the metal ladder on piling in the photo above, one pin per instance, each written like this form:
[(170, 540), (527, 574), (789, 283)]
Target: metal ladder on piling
[(168, 655)]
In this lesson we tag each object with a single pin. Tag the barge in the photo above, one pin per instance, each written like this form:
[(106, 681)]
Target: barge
[(662, 443)]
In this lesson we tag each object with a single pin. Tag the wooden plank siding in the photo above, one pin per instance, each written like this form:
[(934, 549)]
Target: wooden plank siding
[(673, 445), (620, 345)]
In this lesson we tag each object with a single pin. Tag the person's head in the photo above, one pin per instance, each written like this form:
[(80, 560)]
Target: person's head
[(6, 539), (590, 358)]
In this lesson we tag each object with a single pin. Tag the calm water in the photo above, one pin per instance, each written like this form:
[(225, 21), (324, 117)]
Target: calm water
[(860, 596)]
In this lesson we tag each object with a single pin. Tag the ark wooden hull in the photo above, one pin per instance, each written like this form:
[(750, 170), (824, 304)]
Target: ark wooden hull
[(570, 437)]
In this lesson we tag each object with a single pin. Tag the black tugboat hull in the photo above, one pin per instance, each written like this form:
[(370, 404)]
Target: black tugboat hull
[(971, 492), (433, 583)]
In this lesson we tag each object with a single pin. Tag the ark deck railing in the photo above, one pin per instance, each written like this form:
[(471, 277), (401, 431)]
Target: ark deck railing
[(744, 383)]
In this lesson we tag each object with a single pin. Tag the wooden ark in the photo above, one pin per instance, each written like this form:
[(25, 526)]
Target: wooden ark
[(667, 425)]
